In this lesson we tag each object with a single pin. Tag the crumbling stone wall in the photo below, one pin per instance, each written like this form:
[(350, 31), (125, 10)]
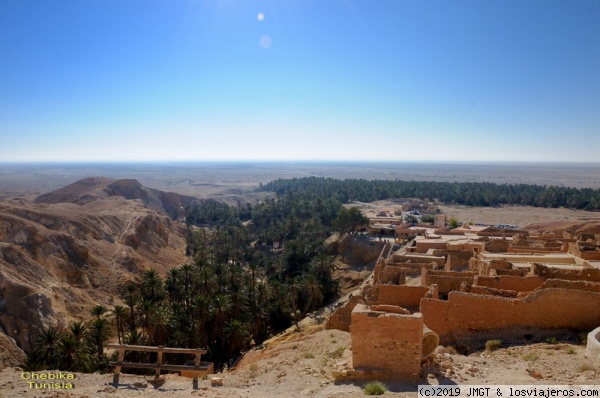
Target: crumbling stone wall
[(493, 292), (553, 308), (554, 258), (425, 259), (387, 341), (505, 282), (538, 244), (446, 281), (577, 285), (341, 317), (457, 260), (503, 232), (483, 267), (424, 246), (497, 246), (534, 250), (393, 272), (587, 274), (585, 250), (400, 295), (512, 272)]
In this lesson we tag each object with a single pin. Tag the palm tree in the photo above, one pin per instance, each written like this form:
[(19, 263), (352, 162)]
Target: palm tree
[(256, 273), (34, 361), (179, 339), (47, 343), (120, 314), (173, 286), (131, 297), (202, 312), (237, 336), (98, 310), (152, 286), (134, 338), (161, 321), (221, 305), (77, 330), (144, 317), (73, 354), (186, 279), (207, 281), (280, 304), (313, 290), (322, 267), (98, 334), (294, 285)]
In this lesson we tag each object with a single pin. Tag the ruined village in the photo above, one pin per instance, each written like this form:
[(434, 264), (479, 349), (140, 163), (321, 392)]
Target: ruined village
[(462, 287)]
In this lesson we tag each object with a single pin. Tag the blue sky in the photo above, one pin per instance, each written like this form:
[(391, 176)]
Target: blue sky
[(114, 80)]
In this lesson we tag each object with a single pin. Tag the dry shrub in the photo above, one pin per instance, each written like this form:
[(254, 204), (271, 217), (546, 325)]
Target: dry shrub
[(375, 388), (492, 345)]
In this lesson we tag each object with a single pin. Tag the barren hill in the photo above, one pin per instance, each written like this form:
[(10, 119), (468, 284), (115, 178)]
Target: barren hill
[(92, 188), (74, 247), (559, 227)]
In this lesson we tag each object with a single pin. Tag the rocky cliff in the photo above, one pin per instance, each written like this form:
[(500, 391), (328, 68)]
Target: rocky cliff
[(72, 248), (355, 250)]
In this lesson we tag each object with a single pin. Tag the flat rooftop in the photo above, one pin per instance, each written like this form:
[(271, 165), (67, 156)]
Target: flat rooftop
[(552, 259)]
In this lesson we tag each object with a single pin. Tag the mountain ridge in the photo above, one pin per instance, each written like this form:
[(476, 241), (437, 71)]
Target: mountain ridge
[(89, 189), (68, 250)]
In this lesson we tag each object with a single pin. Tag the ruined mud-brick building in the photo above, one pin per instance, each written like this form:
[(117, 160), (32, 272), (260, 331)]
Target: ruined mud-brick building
[(465, 286)]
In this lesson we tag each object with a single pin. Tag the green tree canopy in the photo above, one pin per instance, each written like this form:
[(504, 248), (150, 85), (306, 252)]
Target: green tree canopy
[(348, 219)]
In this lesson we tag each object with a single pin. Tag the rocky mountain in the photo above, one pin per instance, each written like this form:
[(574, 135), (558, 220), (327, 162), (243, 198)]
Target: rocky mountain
[(72, 248), (92, 188)]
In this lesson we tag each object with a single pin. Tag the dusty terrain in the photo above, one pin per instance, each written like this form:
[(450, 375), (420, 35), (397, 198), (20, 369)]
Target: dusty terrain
[(301, 365), (516, 215), (60, 257)]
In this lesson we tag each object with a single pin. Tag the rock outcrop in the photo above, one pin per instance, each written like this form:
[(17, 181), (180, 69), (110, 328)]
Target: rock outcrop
[(355, 250), (73, 248), (10, 354), (92, 188)]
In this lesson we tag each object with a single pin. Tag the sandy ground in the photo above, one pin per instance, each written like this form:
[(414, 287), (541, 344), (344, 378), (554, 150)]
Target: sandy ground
[(513, 215), (302, 366), (516, 215)]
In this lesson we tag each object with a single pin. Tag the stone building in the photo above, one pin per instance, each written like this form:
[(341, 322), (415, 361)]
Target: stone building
[(452, 289)]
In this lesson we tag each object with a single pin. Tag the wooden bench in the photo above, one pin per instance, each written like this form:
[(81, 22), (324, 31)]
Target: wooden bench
[(198, 367)]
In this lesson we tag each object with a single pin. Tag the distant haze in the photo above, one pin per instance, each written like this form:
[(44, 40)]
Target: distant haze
[(351, 80), (232, 179)]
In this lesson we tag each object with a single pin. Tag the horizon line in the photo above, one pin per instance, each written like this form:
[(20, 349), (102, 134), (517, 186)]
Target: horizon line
[(292, 161)]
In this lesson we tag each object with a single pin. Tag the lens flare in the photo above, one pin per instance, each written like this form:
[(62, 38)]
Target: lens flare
[(265, 41)]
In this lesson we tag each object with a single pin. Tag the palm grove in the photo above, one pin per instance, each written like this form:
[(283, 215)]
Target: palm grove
[(255, 270)]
